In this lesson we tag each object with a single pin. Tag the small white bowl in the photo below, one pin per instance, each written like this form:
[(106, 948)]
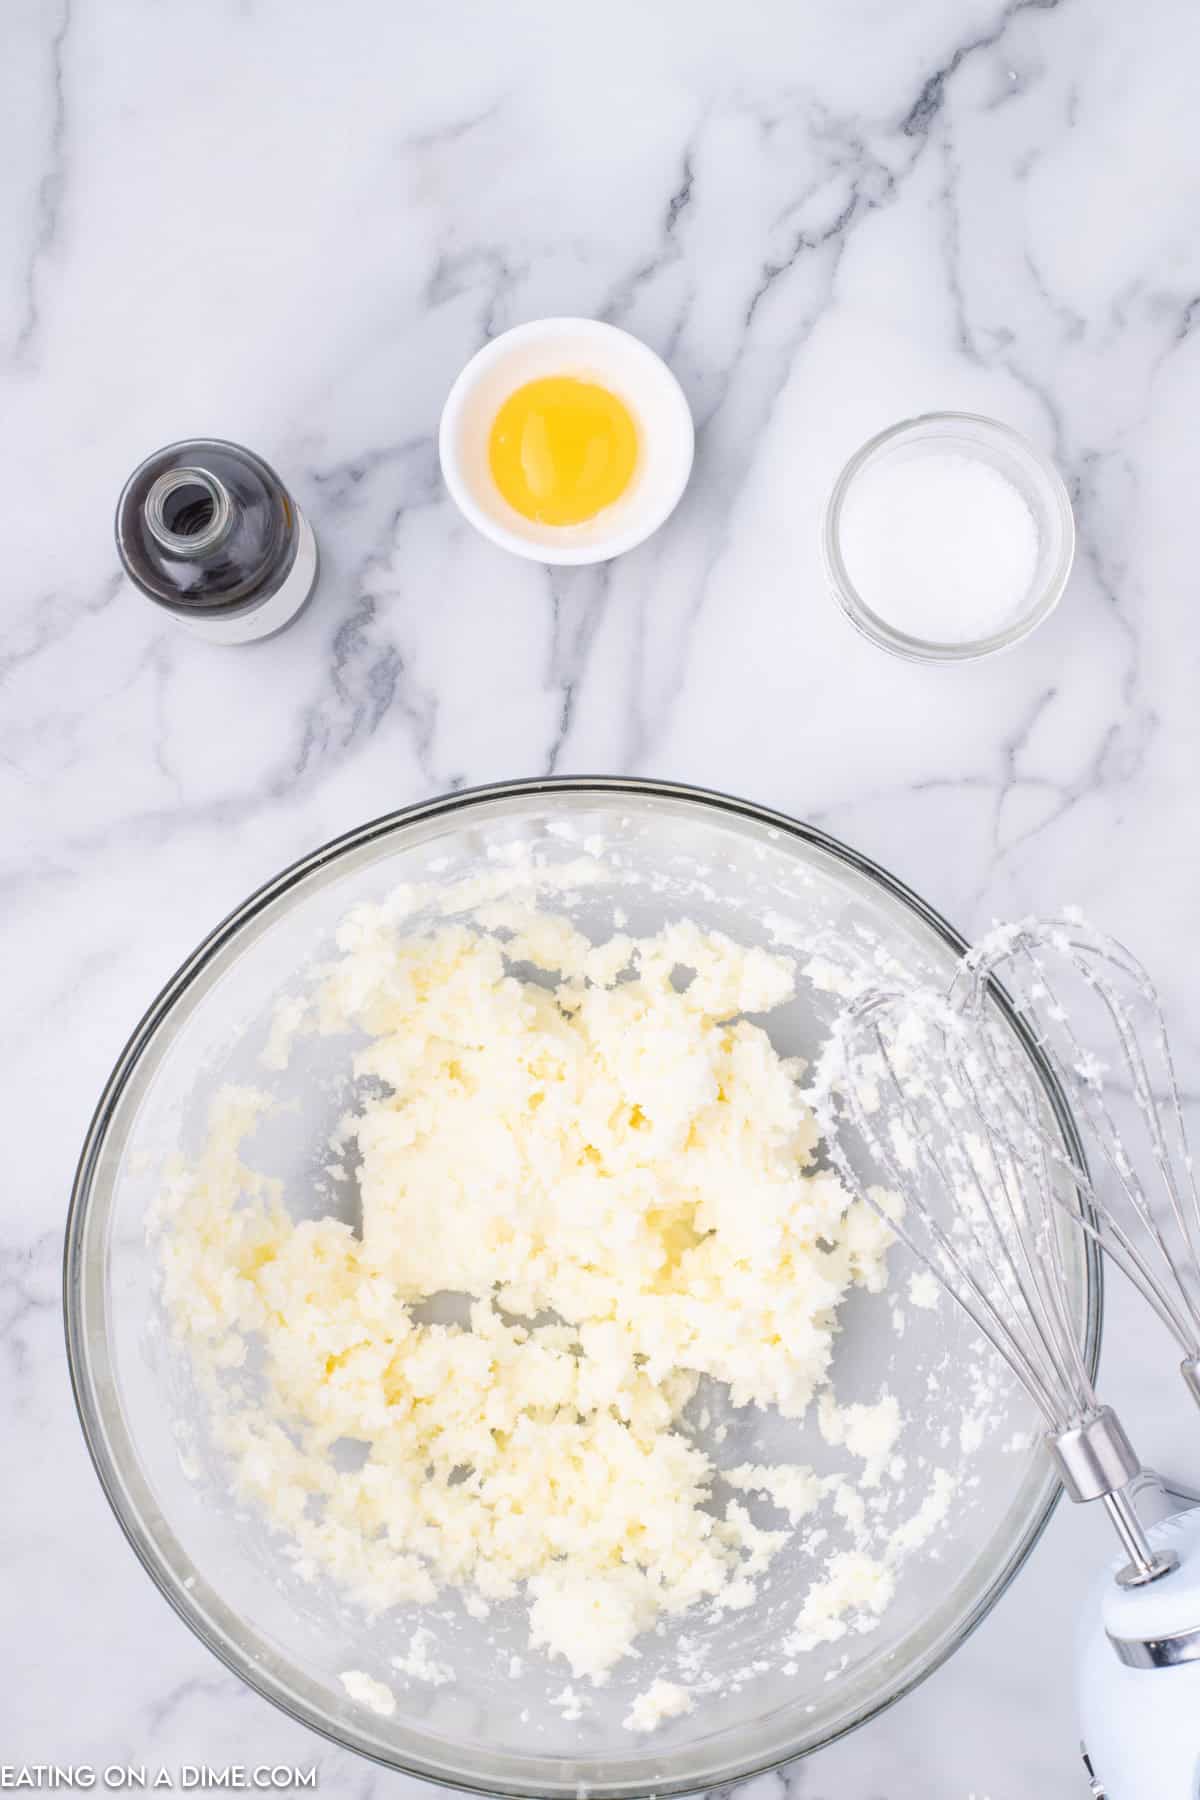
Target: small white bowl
[(594, 352)]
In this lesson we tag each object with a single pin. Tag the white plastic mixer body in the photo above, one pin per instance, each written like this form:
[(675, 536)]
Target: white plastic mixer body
[(1139, 1676)]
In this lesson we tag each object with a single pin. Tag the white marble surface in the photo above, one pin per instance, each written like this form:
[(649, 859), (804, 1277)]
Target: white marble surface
[(291, 224)]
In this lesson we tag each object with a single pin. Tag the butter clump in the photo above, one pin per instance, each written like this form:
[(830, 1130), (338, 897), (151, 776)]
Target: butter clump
[(615, 1169)]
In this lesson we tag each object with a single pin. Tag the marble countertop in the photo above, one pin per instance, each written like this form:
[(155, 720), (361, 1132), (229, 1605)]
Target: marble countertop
[(290, 225)]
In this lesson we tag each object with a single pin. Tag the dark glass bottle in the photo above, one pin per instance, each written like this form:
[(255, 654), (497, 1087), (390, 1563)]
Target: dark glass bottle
[(208, 531)]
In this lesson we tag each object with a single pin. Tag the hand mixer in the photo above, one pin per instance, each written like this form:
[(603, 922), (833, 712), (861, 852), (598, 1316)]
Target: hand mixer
[(937, 1103), (1096, 1018)]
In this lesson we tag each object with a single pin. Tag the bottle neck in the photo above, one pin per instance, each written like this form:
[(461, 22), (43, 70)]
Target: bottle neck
[(188, 512)]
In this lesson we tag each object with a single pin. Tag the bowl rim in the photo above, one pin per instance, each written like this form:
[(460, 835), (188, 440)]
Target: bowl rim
[(551, 551), (91, 1414)]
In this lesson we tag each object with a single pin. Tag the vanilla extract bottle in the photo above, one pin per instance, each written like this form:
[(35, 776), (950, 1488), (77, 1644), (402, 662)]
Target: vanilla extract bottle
[(207, 531)]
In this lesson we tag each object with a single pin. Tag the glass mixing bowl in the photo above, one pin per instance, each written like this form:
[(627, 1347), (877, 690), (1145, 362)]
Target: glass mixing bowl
[(657, 852)]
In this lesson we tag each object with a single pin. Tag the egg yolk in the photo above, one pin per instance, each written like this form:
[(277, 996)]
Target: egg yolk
[(562, 449)]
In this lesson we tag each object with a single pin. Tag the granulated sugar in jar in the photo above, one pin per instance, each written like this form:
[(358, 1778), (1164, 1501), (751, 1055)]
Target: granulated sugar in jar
[(948, 536)]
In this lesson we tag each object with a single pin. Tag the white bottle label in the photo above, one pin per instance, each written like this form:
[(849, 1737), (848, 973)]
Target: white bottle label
[(273, 614)]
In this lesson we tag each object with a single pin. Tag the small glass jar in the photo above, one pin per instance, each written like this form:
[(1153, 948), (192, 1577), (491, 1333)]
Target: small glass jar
[(1035, 479), (208, 532)]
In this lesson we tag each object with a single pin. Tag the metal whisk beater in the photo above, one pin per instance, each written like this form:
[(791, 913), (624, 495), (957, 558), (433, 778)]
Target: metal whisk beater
[(979, 1198), (1096, 1018)]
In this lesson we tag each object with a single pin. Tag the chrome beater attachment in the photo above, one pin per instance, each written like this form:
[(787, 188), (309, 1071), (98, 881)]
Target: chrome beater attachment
[(1095, 1016), (920, 1127)]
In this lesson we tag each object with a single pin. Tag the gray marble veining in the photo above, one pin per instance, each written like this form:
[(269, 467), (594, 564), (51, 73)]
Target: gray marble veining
[(291, 225)]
